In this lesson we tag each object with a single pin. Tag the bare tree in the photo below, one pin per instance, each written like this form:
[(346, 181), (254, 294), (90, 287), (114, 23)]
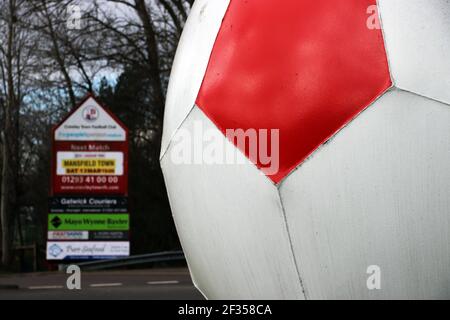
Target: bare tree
[(10, 127), (146, 38), (17, 48), (61, 53)]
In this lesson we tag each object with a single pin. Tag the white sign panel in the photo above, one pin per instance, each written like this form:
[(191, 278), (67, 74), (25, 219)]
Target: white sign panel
[(89, 163), (90, 122), (82, 250)]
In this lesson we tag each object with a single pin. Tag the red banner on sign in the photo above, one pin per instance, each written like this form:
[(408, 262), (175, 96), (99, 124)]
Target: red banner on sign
[(90, 152)]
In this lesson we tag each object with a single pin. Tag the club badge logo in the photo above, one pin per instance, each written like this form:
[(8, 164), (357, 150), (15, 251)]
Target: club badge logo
[(90, 113)]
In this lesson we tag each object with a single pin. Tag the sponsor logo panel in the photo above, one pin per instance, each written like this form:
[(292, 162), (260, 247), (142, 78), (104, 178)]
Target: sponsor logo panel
[(108, 235), (88, 222), (88, 235), (97, 204), (86, 250), (68, 235)]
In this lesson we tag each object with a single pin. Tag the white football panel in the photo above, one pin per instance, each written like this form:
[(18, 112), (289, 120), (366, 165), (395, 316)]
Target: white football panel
[(230, 222), (417, 35), (191, 61), (377, 194)]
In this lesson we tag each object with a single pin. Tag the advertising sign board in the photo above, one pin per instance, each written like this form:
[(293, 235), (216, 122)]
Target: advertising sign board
[(88, 208)]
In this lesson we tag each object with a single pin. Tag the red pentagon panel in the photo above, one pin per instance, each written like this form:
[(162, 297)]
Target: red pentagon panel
[(304, 67)]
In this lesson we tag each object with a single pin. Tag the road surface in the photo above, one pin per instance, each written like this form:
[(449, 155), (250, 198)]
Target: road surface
[(162, 284)]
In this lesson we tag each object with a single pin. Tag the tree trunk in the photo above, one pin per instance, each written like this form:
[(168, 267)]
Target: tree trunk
[(10, 141), (5, 207), (154, 67), (152, 51)]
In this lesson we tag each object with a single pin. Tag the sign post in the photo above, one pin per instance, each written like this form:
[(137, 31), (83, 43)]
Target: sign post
[(88, 208)]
